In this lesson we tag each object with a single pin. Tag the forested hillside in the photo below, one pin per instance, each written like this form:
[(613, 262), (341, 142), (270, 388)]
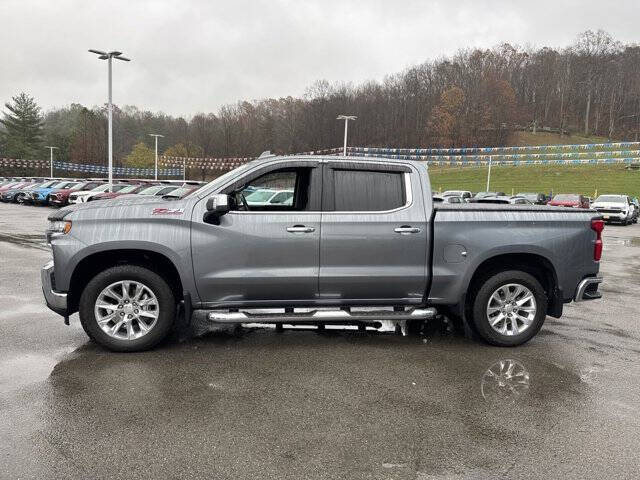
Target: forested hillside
[(474, 98)]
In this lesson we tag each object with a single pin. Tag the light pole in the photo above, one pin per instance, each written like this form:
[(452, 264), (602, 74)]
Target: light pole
[(109, 56), (346, 119), (489, 172), (156, 135), (51, 149)]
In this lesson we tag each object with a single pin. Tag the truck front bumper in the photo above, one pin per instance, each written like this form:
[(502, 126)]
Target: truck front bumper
[(588, 289), (56, 301)]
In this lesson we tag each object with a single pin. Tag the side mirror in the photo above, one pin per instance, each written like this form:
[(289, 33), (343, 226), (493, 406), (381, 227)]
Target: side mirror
[(218, 204)]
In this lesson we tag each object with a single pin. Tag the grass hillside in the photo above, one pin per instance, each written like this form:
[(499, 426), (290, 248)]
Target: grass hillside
[(585, 179)]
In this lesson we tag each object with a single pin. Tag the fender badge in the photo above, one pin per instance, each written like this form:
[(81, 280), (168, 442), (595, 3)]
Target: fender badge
[(167, 211)]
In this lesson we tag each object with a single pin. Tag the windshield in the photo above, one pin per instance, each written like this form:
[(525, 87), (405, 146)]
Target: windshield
[(151, 190), (59, 185), (611, 198), (124, 188), (566, 198)]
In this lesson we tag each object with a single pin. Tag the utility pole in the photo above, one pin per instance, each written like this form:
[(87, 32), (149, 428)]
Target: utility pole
[(109, 56), (51, 149), (346, 119), (156, 135)]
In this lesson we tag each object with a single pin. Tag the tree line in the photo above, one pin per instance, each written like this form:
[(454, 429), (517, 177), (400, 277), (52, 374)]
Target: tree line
[(473, 98)]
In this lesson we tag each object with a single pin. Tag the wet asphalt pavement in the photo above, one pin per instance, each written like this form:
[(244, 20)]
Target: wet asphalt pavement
[(255, 403)]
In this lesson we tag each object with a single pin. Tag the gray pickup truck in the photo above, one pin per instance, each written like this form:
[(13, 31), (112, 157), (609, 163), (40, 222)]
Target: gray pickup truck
[(317, 240)]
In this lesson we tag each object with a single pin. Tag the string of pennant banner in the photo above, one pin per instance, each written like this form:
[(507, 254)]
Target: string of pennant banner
[(600, 153)]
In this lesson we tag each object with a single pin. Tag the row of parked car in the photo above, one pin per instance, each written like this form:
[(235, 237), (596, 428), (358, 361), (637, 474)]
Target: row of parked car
[(59, 192), (616, 208)]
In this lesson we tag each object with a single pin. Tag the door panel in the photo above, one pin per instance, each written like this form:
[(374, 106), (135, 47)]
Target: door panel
[(252, 257), (261, 253), (363, 257)]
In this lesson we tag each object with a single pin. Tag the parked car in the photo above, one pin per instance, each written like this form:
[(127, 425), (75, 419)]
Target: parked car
[(14, 185), (448, 199), (83, 197), (265, 196), (181, 192), (157, 190), (615, 208), (17, 195), (40, 196), (535, 198), (636, 209), (505, 200), (569, 200), (480, 195), (118, 190), (464, 194), (362, 242), (60, 197)]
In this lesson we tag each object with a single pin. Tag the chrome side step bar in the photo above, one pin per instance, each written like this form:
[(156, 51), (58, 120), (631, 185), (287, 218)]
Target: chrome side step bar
[(322, 316)]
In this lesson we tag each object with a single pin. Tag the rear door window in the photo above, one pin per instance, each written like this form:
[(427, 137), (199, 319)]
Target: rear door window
[(365, 190)]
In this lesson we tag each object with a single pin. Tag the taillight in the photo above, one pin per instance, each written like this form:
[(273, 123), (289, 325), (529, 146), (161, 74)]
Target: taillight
[(597, 226)]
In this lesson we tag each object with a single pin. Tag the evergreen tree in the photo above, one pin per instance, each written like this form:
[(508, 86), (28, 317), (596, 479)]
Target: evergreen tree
[(22, 135)]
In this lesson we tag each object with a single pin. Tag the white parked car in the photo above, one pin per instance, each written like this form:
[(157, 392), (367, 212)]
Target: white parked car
[(266, 196), (615, 208), (464, 194), (84, 196)]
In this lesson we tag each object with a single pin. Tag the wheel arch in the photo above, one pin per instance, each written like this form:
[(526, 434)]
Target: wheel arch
[(535, 264), (96, 262)]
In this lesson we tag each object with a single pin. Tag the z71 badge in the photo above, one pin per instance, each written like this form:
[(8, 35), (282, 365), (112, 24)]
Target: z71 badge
[(168, 211)]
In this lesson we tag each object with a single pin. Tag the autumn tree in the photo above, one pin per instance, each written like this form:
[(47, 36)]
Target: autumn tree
[(141, 156), (446, 120)]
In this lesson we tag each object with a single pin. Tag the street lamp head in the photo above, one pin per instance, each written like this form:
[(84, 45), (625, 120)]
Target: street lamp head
[(49, 146), (106, 56), (156, 135), (346, 117)]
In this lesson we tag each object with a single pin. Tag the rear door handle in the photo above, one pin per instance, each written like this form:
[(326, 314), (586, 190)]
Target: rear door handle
[(406, 229), (300, 229)]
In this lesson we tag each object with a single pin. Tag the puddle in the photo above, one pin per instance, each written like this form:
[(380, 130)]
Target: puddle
[(505, 382), (622, 241), (27, 368), (38, 242)]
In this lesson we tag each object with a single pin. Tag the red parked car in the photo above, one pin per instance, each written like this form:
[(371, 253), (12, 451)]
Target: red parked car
[(569, 200), (60, 198)]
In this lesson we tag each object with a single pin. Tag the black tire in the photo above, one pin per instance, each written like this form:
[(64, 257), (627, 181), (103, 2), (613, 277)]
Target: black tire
[(19, 198), (487, 287), (153, 281)]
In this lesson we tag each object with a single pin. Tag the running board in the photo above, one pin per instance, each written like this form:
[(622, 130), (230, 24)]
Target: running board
[(321, 316)]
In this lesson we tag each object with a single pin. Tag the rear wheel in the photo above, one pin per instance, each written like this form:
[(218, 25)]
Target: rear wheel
[(127, 308), (510, 308)]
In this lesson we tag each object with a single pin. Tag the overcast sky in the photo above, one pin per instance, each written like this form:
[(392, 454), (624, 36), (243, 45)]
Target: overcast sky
[(192, 56)]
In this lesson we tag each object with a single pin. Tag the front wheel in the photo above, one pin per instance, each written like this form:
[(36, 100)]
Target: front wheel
[(127, 308), (510, 308)]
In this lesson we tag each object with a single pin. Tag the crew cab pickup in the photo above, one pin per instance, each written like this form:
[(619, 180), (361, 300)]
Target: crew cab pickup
[(361, 243)]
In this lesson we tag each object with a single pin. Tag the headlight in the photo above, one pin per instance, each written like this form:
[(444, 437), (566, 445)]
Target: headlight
[(59, 226)]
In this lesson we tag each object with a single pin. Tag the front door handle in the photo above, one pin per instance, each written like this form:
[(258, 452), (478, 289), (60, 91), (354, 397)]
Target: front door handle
[(300, 229), (406, 229)]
